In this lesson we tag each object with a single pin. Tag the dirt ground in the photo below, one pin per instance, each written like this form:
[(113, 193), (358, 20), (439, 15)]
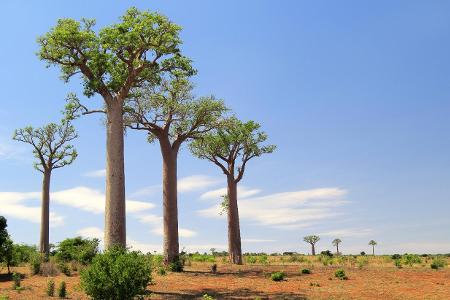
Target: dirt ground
[(253, 282)]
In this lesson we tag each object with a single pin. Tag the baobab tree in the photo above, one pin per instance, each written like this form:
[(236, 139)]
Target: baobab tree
[(336, 243), (373, 244), (312, 240), (170, 114), (230, 147), (52, 150), (140, 49)]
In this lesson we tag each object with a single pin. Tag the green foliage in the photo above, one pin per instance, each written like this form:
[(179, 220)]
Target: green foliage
[(136, 50), (62, 290), (162, 271), (311, 239), (207, 297), (340, 273), (64, 268), (398, 263), (326, 260), (263, 259), (233, 138), (277, 276), (117, 274), (327, 253), (396, 256), (50, 288), (438, 263), (362, 261), (50, 143), (77, 249), (202, 258), (306, 271), (16, 280), (176, 266), (35, 265), (23, 254), (411, 259), (362, 253), (6, 244), (251, 259)]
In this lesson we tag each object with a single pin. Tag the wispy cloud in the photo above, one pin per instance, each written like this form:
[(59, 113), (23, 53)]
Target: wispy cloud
[(288, 210), (243, 192), (91, 232), (97, 173), (348, 232), (196, 183), (182, 232), (257, 241), (12, 150)]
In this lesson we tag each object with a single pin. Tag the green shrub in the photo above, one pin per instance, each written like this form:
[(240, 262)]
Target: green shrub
[(117, 275), (23, 254), (411, 259), (77, 249), (177, 266), (363, 253), (306, 271), (157, 260), (207, 297), (398, 263), (162, 271), (202, 258), (396, 256), (35, 265), (277, 276), (340, 273), (263, 259), (50, 288), (16, 280), (327, 253), (362, 262), (314, 284), (438, 263), (251, 259), (62, 291), (64, 268)]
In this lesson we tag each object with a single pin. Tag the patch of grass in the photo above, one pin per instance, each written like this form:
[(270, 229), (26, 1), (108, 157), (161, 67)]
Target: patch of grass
[(306, 271), (162, 271), (340, 273), (438, 263), (277, 276)]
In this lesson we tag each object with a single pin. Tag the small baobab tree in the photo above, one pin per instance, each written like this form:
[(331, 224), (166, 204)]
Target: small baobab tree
[(373, 244), (170, 114), (112, 61), (336, 243), (312, 240), (230, 147), (52, 150)]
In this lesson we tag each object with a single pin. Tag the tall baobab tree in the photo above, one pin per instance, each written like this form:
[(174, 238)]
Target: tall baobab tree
[(170, 114), (312, 240), (230, 147), (137, 50), (336, 243), (52, 150), (373, 244)]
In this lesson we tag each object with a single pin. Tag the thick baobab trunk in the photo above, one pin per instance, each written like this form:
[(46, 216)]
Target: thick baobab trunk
[(373, 250), (170, 202), (337, 248), (313, 249), (115, 219), (234, 233), (44, 244)]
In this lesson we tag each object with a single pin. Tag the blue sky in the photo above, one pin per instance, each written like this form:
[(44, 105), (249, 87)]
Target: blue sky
[(356, 96)]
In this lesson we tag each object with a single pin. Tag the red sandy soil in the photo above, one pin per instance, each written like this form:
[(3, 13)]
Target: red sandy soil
[(252, 281)]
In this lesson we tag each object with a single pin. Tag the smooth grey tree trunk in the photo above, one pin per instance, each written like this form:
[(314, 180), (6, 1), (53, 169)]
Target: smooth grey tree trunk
[(171, 246), (115, 218), (313, 249), (234, 233), (44, 244)]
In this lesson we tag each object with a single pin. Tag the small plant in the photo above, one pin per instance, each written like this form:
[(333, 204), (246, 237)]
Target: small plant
[(214, 268), (207, 297), (314, 284), (263, 259), (251, 259), (162, 271), (277, 276), (340, 273), (411, 259), (50, 288), (396, 256), (35, 265), (398, 263), (362, 253), (16, 281), (4, 297), (62, 291), (64, 268), (327, 253), (306, 271), (438, 263), (362, 262), (176, 266)]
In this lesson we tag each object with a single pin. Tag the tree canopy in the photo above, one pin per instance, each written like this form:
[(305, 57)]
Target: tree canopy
[(232, 145), (120, 56), (311, 239), (336, 242), (50, 144)]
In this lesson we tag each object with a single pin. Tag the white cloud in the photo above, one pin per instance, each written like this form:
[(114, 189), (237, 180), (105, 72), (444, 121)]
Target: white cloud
[(351, 232), (288, 210), (257, 241), (148, 191), (182, 232), (144, 247), (91, 232), (13, 151), (195, 182), (150, 218), (97, 173), (243, 192), (92, 200)]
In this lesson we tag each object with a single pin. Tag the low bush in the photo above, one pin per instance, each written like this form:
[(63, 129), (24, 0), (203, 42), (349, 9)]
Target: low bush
[(207, 297), (340, 273), (277, 276), (64, 268), (398, 263), (16, 280), (327, 253), (50, 288), (62, 290), (362, 253), (263, 259), (438, 263), (77, 249), (362, 262), (35, 265), (177, 266), (396, 256), (214, 268), (162, 271), (306, 271), (251, 260), (411, 259), (117, 274)]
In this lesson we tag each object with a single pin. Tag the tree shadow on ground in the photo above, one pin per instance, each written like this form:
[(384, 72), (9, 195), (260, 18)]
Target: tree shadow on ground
[(227, 294)]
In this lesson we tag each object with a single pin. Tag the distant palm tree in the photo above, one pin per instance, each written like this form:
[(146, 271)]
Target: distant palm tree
[(336, 243), (373, 244)]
